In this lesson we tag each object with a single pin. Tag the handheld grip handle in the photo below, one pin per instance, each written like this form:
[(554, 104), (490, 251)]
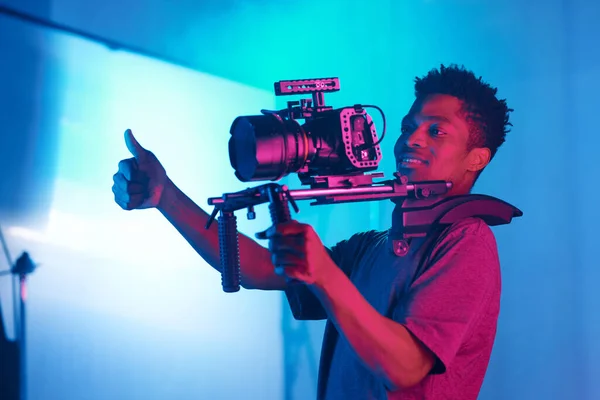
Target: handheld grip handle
[(279, 209), (229, 252)]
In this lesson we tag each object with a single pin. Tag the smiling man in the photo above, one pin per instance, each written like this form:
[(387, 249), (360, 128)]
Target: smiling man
[(419, 325), (452, 130), (414, 325)]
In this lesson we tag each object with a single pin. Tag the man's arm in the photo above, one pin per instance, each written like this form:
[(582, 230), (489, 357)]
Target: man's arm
[(387, 348), (384, 346), (433, 317), (257, 270)]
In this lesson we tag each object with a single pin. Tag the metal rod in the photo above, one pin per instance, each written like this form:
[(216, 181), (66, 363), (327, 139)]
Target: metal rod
[(304, 194), (15, 300), (22, 336)]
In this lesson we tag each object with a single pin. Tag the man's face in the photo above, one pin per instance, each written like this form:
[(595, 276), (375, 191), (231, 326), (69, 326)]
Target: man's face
[(433, 144)]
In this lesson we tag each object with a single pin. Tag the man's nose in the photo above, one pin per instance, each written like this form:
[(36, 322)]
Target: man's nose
[(412, 140), (415, 139)]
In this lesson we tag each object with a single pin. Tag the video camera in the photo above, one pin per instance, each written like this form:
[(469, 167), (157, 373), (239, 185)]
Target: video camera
[(332, 152), (332, 142)]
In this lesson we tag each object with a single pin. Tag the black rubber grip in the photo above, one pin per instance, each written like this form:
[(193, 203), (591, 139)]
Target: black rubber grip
[(229, 252), (279, 208)]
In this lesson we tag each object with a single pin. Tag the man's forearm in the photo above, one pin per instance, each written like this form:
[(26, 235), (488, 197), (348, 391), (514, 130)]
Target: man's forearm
[(190, 220), (386, 347)]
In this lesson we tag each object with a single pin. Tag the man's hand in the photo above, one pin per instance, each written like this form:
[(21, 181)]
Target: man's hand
[(140, 181), (298, 253)]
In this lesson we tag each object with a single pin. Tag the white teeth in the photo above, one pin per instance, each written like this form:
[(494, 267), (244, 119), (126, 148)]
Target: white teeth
[(412, 161)]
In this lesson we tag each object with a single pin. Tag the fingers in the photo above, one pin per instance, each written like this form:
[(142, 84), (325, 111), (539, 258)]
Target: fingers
[(134, 147), (280, 260), (288, 245), (129, 169), (129, 187), (285, 239), (289, 272), (287, 250), (128, 201), (290, 228), (288, 262)]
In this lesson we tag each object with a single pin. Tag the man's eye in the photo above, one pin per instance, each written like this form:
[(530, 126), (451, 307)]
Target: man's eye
[(434, 130), (405, 129)]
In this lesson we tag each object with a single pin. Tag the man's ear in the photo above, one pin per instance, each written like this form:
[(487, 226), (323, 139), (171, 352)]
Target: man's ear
[(478, 158)]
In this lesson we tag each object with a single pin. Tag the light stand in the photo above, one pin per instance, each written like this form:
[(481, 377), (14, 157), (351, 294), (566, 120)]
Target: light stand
[(20, 269)]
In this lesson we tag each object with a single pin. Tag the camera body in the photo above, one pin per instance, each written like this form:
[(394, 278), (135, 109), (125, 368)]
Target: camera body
[(329, 143)]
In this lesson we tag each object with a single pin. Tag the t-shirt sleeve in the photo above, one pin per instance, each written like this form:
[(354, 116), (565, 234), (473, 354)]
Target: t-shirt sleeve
[(345, 254), (459, 277)]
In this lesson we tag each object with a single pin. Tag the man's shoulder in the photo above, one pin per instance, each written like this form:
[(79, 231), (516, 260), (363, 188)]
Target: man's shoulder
[(367, 237), (468, 232), (358, 244), (471, 226)]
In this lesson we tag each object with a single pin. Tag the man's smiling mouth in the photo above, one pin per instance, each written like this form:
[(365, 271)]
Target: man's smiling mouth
[(410, 162)]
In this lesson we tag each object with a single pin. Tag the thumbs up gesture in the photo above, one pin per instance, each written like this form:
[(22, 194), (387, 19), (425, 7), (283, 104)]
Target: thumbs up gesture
[(140, 181)]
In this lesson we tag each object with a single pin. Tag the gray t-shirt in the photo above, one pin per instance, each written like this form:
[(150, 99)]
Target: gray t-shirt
[(445, 291)]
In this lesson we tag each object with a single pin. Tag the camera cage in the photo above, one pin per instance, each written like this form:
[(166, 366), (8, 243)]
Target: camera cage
[(310, 109)]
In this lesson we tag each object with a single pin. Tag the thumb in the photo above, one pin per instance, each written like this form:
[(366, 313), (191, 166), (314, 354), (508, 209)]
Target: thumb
[(134, 147), (261, 235), (266, 234)]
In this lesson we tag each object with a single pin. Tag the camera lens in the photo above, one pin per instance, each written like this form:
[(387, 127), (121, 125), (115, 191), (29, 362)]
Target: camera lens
[(266, 147)]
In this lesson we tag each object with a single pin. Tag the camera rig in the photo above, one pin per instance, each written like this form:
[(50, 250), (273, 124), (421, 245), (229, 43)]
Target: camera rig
[(332, 153)]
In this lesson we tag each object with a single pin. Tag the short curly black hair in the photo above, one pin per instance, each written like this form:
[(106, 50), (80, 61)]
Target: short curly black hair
[(488, 114)]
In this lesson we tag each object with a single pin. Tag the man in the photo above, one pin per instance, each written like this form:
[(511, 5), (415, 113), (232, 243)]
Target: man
[(416, 326)]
